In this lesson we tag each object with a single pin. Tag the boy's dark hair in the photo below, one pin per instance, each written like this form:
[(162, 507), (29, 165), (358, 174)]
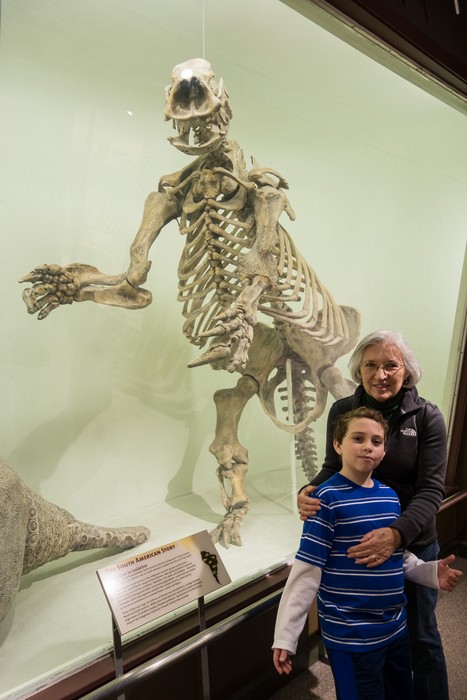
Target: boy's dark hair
[(342, 423)]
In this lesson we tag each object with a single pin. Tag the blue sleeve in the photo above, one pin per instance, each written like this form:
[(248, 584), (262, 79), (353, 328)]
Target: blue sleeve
[(317, 537)]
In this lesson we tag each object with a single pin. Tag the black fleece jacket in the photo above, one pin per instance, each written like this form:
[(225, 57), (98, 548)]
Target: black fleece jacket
[(414, 464)]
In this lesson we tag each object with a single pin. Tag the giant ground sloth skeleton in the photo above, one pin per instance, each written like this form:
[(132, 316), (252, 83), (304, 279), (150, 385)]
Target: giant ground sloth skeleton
[(238, 261)]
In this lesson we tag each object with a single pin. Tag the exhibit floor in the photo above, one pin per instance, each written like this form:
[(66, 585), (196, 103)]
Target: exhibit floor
[(60, 620)]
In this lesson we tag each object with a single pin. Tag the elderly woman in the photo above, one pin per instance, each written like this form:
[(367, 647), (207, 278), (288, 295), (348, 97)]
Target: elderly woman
[(414, 466)]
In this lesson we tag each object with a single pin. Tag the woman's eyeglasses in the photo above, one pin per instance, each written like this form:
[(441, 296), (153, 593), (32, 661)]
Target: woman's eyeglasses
[(388, 368)]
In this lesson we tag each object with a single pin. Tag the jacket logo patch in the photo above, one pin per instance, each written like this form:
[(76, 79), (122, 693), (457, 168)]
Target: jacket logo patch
[(410, 432)]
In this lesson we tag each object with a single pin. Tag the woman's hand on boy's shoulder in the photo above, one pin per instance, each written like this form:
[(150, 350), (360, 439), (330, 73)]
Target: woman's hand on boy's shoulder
[(306, 504)]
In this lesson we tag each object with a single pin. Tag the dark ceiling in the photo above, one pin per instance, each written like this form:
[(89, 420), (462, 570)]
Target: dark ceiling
[(432, 33)]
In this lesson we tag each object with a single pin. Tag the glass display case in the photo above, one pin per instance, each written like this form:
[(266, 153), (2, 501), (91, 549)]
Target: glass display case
[(100, 413)]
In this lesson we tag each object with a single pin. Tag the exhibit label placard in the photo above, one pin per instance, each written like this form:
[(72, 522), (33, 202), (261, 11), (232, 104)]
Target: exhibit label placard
[(148, 585)]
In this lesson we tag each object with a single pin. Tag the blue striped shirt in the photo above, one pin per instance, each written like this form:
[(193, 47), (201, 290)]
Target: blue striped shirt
[(359, 608)]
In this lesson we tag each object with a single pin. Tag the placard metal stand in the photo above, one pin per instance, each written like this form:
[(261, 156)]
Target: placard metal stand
[(118, 657), (204, 651)]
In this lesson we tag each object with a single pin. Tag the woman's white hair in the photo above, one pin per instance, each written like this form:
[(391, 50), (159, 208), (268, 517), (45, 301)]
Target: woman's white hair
[(412, 366)]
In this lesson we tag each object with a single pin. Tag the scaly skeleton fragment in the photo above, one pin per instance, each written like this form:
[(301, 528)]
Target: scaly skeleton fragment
[(36, 531)]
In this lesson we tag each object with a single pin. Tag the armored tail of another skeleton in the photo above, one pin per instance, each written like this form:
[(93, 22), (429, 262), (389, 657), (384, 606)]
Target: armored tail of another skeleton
[(36, 531)]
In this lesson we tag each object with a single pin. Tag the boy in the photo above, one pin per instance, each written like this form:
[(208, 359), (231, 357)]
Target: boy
[(362, 611)]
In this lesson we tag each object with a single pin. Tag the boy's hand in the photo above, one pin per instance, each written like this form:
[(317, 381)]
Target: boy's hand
[(282, 661), (447, 577), (307, 506)]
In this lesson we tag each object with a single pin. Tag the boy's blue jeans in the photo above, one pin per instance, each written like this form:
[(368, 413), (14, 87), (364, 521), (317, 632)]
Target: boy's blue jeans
[(373, 675), (430, 680), (428, 662)]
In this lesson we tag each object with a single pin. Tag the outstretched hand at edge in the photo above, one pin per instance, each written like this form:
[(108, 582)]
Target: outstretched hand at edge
[(448, 578)]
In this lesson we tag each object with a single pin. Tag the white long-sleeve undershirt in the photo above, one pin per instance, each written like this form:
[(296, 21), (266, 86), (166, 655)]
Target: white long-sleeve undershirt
[(302, 586)]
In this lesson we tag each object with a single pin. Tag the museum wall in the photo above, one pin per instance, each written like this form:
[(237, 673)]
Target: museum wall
[(99, 411)]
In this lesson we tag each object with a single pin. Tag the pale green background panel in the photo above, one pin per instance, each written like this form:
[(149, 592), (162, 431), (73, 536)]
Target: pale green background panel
[(98, 410)]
